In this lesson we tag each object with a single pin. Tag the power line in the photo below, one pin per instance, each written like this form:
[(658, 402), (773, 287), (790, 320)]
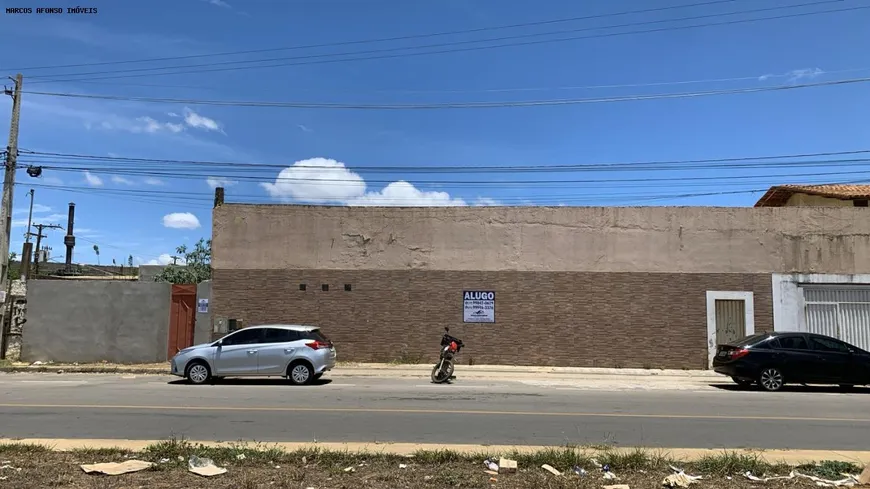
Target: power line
[(624, 199), (692, 164), (377, 40), (446, 51), (460, 105), (790, 75), (477, 183), (448, 44)]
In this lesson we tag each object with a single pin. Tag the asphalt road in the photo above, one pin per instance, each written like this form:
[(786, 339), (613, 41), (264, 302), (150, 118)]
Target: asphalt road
[(367, 410)]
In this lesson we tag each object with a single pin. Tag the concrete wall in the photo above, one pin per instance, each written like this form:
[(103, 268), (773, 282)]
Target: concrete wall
[(595, 239), (92, 321), (202, 331)]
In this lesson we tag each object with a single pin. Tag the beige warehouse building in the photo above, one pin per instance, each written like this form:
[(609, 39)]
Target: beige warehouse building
[(566, 286)]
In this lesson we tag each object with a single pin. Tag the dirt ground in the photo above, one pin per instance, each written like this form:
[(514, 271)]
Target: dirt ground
[(61, 470)]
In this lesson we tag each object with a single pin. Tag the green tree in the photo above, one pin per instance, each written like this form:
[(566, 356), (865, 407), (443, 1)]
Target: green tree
[(14, 272), (195, 268), (130, 261)]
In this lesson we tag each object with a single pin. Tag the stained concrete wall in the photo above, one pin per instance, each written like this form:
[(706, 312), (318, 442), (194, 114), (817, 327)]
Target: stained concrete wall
[(92, 321), (203, 328), (598, 239)]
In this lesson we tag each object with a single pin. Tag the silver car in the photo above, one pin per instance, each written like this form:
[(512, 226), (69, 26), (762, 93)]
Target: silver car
[(300, 353)]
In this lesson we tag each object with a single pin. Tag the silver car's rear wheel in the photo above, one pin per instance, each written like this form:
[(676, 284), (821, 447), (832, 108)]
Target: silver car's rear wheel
[(300, 374), (198, 373), (771, 379)]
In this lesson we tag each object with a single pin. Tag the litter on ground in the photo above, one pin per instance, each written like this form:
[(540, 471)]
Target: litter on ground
[(117, 468), (550, 469), (204, 467)]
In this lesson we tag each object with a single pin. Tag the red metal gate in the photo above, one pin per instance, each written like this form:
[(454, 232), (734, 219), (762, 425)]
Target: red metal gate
[(182, 318)]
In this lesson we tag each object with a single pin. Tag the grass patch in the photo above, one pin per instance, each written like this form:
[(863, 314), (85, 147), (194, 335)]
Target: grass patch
[(22, 449), (448, 465), (830, 469)]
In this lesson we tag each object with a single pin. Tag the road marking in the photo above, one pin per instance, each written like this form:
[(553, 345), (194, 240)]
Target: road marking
[(53, 381), (454, 386), (122, 407)]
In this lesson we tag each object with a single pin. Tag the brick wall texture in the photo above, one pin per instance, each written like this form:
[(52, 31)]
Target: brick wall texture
[(583, 319)]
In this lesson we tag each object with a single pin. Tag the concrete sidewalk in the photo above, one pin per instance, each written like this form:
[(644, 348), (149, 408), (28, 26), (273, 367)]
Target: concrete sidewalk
[(399, 370)]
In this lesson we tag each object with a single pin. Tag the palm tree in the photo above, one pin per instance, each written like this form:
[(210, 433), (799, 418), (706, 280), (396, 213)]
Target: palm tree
[(97, 251)]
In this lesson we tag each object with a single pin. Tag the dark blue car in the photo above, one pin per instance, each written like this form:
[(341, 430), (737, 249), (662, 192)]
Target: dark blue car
[(773, 359)]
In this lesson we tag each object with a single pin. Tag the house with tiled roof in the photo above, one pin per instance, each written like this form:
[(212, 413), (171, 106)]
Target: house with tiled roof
[(829, 195)]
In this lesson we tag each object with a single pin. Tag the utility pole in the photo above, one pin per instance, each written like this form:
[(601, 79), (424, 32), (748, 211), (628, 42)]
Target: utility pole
[(39, 237), (29, 218), (9, 179), (6, 201), (70, 240)]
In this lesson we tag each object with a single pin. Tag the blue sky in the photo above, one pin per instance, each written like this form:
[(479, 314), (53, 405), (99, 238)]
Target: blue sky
[(147, 213)]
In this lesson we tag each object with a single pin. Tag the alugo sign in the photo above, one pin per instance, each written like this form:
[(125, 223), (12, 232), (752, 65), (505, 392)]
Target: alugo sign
[(478, 306)]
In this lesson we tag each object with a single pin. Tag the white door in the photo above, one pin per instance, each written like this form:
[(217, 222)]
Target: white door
[(840, 312)]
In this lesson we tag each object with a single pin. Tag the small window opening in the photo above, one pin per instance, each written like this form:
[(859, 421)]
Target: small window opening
[(302, 287), (347, 287), (860, 203), (324, 287)]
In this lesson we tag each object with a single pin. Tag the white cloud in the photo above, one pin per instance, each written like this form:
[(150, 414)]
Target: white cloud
[(172, 114), (150, 126), (37, 209), (486, 201), (317, 180), (219, 3), (795, 76), (165, 259), (322, 180), (181, 220), (402, 193), (49, 219), (93, 180), (153, 181), (121, 180), (304, 128), (215, 182), (192, 119)]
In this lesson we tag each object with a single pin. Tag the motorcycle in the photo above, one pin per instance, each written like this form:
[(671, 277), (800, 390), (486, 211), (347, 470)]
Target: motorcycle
[(443, 370)]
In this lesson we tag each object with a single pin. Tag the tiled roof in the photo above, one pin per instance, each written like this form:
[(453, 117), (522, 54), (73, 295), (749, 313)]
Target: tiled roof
[(777, 196)]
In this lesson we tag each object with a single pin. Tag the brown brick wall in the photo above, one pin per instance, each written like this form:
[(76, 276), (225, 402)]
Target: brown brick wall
[(587, 319)]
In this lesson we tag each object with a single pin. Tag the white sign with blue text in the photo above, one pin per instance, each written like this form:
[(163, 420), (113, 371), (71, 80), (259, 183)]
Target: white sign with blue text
[(478, 306)]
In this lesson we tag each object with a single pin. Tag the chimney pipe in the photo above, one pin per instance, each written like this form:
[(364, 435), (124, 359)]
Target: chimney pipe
[(70, 240)]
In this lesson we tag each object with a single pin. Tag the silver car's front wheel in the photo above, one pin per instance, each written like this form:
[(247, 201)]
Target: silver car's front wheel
[(771, 379), (198, 373), (300, 374)]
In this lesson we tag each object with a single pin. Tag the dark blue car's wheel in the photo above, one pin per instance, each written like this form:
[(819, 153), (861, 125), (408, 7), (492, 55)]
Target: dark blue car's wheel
[(771, 379)]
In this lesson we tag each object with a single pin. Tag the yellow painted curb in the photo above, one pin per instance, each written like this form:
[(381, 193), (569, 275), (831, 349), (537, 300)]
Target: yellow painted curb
[(792, 457)]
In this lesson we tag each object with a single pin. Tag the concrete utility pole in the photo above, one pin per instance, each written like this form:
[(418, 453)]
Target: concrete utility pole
[(29, 217), (70, 240), (6, 205), (9, 181)]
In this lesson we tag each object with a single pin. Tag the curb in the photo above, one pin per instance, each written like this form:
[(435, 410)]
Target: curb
[(377, 370), (792, 457)]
